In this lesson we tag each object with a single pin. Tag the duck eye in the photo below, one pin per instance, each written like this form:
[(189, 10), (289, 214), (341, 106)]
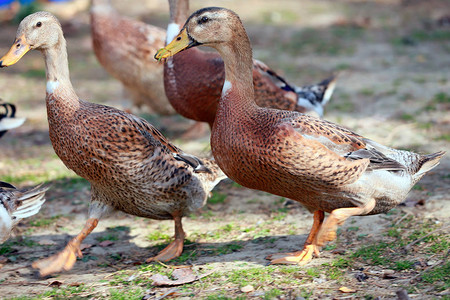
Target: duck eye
[(38, 24), (204, 19)]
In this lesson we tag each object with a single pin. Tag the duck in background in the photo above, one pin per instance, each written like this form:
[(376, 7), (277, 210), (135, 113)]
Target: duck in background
[(322, 165), (8, 118), (125, 48), (16, 205), (193, 80), (131, 166)]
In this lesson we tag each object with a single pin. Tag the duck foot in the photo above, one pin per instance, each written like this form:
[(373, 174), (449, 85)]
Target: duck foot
[(173, 250), (295, 258), (64, 260)]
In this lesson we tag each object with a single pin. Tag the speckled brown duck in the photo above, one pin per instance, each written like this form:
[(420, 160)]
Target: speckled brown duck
[(130, 165), (125, 48), (17, 204), (320, 164), (194, 92), (8, 119)]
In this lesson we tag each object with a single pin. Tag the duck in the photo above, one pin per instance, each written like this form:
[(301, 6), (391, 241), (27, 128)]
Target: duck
[(194, 92), (116, 38), (8, 119), (130, 165), (322, 165), (17, 204)]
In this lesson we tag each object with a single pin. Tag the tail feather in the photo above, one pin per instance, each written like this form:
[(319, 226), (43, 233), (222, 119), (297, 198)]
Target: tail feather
[(30, 202), (428, 162), (316, 96)]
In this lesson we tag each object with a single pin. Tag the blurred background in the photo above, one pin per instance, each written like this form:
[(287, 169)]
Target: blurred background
[(393, 61)]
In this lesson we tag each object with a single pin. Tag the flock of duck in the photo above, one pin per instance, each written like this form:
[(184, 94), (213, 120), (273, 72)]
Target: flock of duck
[(260, 137)]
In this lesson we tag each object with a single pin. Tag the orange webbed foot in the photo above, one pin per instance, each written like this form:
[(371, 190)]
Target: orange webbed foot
[(296, 258), (173, 250), (62, 261)]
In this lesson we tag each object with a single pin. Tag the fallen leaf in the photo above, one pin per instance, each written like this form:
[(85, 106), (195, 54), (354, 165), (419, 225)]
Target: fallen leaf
[(182, 276), (105, 243), (345, 289), (55, 283), (3, 259), (85, 246), (247, 289)]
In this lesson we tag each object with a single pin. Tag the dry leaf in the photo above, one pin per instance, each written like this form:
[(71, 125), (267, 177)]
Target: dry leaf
[(182, 276), (247, 289), (105, 243), (345, 289), (55, 283), (85, 246)]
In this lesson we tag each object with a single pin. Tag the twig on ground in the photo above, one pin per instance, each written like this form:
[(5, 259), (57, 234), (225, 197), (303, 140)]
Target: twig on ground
[(407, 247)]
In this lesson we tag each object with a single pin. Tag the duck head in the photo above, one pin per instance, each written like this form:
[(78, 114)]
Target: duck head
[(40, 30), (209, 26)]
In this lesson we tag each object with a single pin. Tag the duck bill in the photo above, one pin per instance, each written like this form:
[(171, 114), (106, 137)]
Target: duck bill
[(18, 49), (181, 42)]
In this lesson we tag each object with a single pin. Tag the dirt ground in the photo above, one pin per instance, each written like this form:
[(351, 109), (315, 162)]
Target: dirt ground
[(394, 87)]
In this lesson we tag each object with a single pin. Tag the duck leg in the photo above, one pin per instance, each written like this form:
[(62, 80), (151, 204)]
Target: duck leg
[(174, 249), (310, 247), (337, 217), (65, 259)]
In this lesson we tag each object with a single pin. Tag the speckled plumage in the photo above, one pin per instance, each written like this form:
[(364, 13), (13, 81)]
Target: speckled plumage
[(125, 48), (194, 92), (320, 164), (17, 204), (131, 166)]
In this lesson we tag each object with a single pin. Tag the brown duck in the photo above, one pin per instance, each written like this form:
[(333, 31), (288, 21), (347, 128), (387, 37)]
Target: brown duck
[(193, 80), (320, 164), (125, 48), (130, 165)]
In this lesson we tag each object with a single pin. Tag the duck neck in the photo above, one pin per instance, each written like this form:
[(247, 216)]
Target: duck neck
[(57, 70), (178, 15), (237, 57), (101, 7)]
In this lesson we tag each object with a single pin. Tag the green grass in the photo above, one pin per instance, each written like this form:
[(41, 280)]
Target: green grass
[(44, 222), (217, 198), (439, 276)]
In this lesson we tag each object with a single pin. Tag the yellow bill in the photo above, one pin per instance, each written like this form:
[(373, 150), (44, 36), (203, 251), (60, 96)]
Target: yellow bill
[(18, 49), (181, 42)]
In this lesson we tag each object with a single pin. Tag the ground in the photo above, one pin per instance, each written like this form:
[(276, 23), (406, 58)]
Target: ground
[(394, 87)]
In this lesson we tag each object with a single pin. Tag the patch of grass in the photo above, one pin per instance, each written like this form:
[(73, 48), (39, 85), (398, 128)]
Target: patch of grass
[(108, 237), (374, 254), (407, 117), (367, 92), (443, 137), (217, 198), (228, 248), (34, 73), (44, 222), (254, 276), (404, 265), (66, 292), (126, 294), (272, 294), (313, 272), (439, 276), (158, 236)]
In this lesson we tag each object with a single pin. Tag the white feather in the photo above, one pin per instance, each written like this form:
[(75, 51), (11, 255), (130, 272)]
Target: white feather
[(172, 30), (52, 86)]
